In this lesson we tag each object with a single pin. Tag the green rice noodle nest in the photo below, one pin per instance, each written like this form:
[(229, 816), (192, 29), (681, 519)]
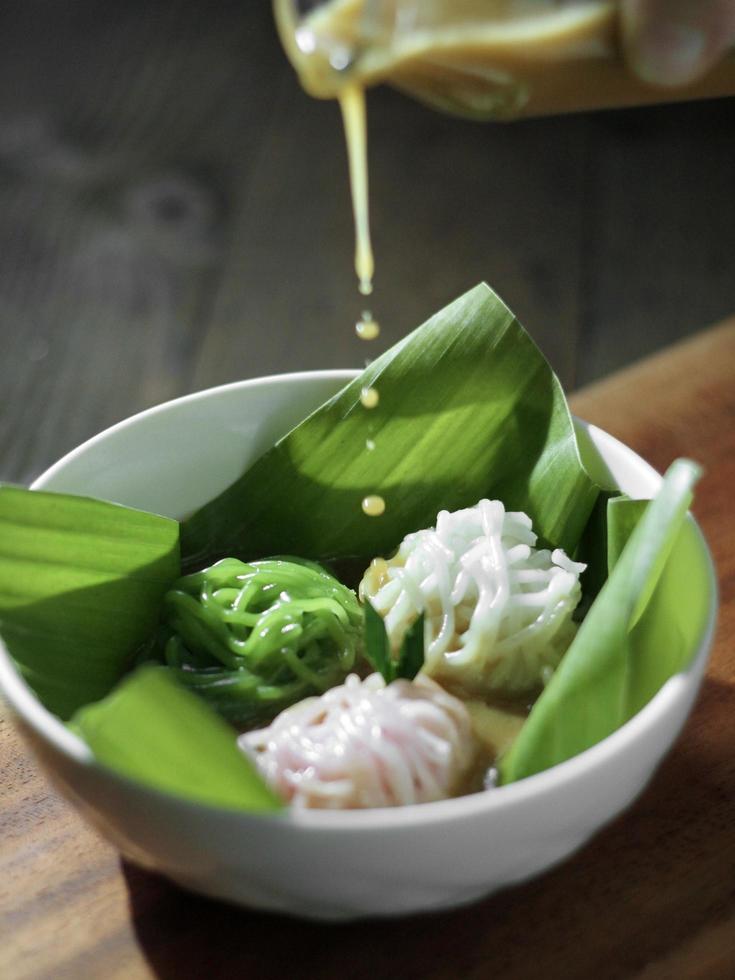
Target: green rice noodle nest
[(253, 638), (498, 611)]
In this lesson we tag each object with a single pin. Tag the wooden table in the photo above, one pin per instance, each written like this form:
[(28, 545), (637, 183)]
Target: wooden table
[(653, 895)]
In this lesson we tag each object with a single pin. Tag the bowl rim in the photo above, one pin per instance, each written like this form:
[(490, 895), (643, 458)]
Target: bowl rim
[(51, 729)]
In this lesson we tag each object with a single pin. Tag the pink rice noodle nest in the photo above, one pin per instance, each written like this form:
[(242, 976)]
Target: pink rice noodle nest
[(367, 744)]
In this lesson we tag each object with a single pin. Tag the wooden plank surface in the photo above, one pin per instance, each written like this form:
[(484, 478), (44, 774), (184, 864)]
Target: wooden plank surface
[(650, 896)]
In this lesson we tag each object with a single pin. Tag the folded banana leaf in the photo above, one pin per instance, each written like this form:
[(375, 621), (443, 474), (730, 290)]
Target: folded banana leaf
[(81, 584), (642, 629), (153, 730), (469, 408)]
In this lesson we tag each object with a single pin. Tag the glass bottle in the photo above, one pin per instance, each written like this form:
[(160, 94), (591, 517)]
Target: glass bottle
[(484, 59)]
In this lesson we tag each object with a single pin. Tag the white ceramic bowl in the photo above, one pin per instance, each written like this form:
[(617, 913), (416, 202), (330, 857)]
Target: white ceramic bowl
[(322, 864)]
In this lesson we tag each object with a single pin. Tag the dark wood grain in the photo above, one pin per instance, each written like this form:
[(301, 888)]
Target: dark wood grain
[(651, 896), (174, 215), (659, 231)]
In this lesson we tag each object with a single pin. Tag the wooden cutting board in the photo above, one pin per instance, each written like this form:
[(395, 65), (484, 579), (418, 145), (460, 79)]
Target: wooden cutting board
[(653, 895)]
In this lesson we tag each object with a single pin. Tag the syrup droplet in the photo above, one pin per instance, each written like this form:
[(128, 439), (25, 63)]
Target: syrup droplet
[(373, 505), (366, 328), (369, 397), (370, 445)]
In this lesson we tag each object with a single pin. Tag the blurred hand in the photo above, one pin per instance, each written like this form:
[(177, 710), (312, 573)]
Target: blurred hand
[(674, 42)]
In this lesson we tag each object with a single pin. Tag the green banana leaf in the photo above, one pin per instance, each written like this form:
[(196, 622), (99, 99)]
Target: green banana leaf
[(641, 629), (592, 551), (81, 583), (410, 657), (157, 732), (469, 408)]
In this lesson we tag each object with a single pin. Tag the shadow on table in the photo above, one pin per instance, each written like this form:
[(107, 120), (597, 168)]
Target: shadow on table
[(646, 894)]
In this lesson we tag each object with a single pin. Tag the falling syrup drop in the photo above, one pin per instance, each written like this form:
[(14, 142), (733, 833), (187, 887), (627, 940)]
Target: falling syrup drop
[(373, 505), (369, 397), (366, 327)]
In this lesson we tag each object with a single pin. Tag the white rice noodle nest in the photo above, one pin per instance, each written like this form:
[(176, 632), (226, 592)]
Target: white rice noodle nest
[(365, 744), (498, 611)]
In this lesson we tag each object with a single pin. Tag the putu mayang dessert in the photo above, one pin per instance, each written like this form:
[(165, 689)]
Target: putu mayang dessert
[(497, 618)]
